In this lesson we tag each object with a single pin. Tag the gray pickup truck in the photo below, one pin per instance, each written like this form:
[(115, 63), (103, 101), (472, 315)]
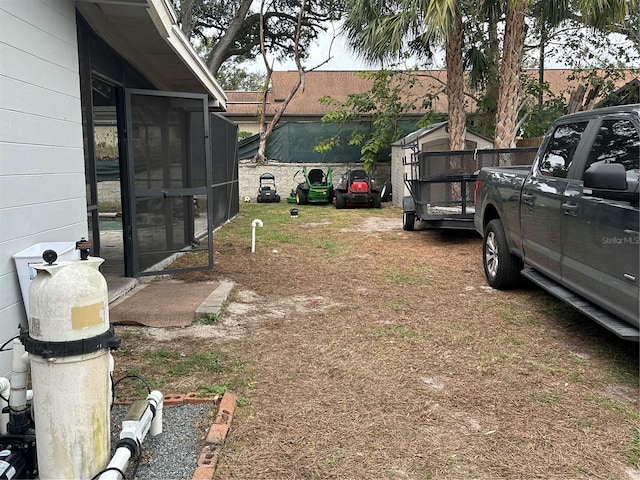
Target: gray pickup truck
[(570, 222)]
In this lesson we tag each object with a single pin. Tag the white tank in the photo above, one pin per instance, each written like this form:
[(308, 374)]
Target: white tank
[(68, 341)]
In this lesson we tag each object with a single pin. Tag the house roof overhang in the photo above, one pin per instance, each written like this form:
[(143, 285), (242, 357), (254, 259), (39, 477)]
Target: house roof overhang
[(147, 35)]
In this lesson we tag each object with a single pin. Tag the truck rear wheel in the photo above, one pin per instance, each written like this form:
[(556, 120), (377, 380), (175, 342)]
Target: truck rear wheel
[(501, 268)]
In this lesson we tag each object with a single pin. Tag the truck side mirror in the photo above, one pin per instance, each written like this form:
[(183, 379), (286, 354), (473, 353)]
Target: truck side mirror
[(606, 176)]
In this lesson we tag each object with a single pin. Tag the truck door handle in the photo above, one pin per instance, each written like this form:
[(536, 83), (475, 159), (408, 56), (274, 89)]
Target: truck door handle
[(528, 199), (570, 208)]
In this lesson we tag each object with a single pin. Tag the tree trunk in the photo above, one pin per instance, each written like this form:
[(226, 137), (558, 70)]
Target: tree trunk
[(260, 157), (543, 45), (265, 133), (491, 90), (509, 96), (455, 86), (186, 17), (218, 53)]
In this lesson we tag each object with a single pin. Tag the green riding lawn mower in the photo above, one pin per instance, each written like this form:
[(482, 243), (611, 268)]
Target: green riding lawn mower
[(316, 186)]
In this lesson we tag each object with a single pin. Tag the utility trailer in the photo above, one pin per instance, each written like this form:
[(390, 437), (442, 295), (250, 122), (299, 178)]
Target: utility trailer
[(442, 184)]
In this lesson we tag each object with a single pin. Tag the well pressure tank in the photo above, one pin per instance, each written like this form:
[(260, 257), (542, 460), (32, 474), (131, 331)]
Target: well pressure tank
[(68, 343)]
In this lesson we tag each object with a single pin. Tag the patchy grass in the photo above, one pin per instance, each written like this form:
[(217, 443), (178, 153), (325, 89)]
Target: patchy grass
[(164, 366), (407, 275), (363, 351), (633, 452)]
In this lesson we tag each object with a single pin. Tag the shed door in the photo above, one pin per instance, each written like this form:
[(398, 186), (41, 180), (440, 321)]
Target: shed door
[(169, 170)]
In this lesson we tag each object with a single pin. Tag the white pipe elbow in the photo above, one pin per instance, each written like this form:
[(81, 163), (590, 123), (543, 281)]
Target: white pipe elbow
[(256, 222), (5, 390)]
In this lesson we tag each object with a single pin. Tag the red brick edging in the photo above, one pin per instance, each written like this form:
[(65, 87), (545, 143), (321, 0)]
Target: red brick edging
[(208, 459), (217, 434)]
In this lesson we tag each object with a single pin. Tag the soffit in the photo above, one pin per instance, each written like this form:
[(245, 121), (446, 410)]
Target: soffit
[(145, 33)]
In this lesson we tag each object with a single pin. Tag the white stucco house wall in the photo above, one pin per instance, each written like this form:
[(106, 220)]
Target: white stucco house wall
[(428, 139), (43, 189)]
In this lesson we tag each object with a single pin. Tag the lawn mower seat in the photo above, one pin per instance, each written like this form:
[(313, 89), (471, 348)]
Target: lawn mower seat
[(315, 176), (358, 176)]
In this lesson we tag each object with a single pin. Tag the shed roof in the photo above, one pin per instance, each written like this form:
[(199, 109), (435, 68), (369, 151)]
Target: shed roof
[(413, 137)]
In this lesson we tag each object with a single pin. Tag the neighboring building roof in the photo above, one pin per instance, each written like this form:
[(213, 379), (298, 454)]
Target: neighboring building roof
[(147, 35), (318, 83), (339, 84)]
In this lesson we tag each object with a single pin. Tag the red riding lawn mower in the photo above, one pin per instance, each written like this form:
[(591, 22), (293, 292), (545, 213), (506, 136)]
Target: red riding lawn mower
[(356, 188)]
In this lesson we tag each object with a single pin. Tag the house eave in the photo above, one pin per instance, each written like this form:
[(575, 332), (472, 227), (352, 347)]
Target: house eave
[(146, 34)]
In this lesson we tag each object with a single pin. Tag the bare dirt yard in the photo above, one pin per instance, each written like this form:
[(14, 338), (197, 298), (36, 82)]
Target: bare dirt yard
[(360, 351)]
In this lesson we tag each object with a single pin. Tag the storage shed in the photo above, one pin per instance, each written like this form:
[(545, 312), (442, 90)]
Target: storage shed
[(431, 138)]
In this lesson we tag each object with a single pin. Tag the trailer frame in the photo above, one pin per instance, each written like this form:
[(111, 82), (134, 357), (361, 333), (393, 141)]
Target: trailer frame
[(442, 184)]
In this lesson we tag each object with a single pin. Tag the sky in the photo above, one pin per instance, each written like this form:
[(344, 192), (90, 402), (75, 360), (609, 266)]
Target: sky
[(342, 58)]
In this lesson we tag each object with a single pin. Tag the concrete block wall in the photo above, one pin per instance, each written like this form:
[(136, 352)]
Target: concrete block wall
[(249, 178), (249, 175)]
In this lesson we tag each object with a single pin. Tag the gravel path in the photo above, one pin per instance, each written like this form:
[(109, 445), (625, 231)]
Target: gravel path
[(172, 455)]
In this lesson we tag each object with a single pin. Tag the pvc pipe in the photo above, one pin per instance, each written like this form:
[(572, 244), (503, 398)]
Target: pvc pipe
[(5, 389), (120, 460), (112, 366), (19, 378), (135, 426), (156, 422), (19, 421), (259, 223)]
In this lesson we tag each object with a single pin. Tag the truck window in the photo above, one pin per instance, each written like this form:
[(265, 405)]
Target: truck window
[(617, 141), (558, 155)]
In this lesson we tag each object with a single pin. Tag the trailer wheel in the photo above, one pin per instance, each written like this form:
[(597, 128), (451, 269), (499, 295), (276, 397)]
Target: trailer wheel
[(501, 268), (408, 221)]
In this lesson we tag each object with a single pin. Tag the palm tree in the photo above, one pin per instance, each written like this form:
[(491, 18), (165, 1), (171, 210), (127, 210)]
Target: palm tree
[(380, 31), (509, 74), (596, 14), (383, 30), (444, 22)]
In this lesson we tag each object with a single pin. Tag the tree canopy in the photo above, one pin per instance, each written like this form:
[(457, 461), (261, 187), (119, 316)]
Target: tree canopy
[(494, 39), (225, 29)]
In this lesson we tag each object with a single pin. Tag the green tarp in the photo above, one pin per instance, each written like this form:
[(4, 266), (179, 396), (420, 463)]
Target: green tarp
[(294, 142), (107, 171)]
